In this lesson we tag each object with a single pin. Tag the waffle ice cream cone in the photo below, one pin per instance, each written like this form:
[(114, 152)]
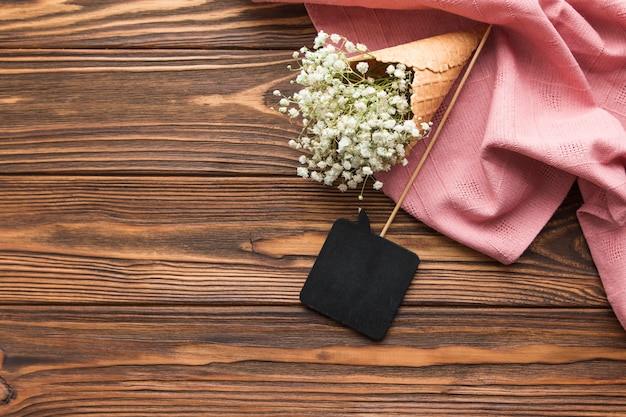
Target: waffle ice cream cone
[(437, 62)]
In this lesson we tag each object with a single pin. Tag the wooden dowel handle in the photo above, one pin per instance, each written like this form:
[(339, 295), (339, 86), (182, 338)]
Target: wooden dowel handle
[(418, 168)]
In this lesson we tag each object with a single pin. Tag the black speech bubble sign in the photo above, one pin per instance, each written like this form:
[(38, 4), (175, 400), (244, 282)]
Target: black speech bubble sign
[(359, 278)]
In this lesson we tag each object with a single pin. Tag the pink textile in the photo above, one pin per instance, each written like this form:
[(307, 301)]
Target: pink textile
[(544, 106)]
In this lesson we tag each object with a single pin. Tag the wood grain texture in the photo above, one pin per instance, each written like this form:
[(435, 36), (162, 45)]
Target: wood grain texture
[(208, 240), (182, 112), (202, 24), (154, 240), (270, 360)]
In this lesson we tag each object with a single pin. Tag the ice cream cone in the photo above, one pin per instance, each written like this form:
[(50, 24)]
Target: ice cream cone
[(436, 62)]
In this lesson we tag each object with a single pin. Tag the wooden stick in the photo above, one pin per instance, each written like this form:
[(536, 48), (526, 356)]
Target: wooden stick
[(436, 134)]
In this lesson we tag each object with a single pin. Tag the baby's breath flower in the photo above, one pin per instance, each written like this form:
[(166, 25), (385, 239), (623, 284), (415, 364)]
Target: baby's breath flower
[(354, 123), (320, 40), (303, 172), (317, 176), (340, 65), (389, 124), (360, 106)]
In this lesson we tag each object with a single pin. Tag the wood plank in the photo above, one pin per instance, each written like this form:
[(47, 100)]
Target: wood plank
[(256, 360), (144, 112), (154, 239), (203, 24), (246, 240)]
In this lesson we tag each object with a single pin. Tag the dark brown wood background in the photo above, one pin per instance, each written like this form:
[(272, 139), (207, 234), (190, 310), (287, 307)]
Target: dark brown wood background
[(154, 239)]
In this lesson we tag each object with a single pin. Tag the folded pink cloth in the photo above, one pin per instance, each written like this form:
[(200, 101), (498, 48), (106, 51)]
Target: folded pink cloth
[(544, 106)]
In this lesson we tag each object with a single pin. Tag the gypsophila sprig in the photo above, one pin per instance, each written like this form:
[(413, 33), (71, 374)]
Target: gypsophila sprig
[(356, 121)]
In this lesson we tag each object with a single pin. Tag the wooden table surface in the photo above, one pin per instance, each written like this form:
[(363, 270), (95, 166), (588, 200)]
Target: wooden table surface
[(154, 239)]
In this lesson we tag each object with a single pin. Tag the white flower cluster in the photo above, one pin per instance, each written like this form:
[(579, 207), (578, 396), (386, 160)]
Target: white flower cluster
[(357, 121)]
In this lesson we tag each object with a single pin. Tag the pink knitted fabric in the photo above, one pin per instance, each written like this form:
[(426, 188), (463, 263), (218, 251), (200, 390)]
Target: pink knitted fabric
[(544, 106)]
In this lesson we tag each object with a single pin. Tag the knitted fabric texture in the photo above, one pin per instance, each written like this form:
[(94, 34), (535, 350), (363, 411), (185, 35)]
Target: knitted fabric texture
[(545, 106)]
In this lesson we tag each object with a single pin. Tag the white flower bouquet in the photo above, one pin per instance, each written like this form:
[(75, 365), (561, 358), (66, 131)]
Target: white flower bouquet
[(362, 111)]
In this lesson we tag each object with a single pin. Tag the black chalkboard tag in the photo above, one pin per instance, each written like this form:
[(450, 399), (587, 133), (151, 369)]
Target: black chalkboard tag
[(359, 278)]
